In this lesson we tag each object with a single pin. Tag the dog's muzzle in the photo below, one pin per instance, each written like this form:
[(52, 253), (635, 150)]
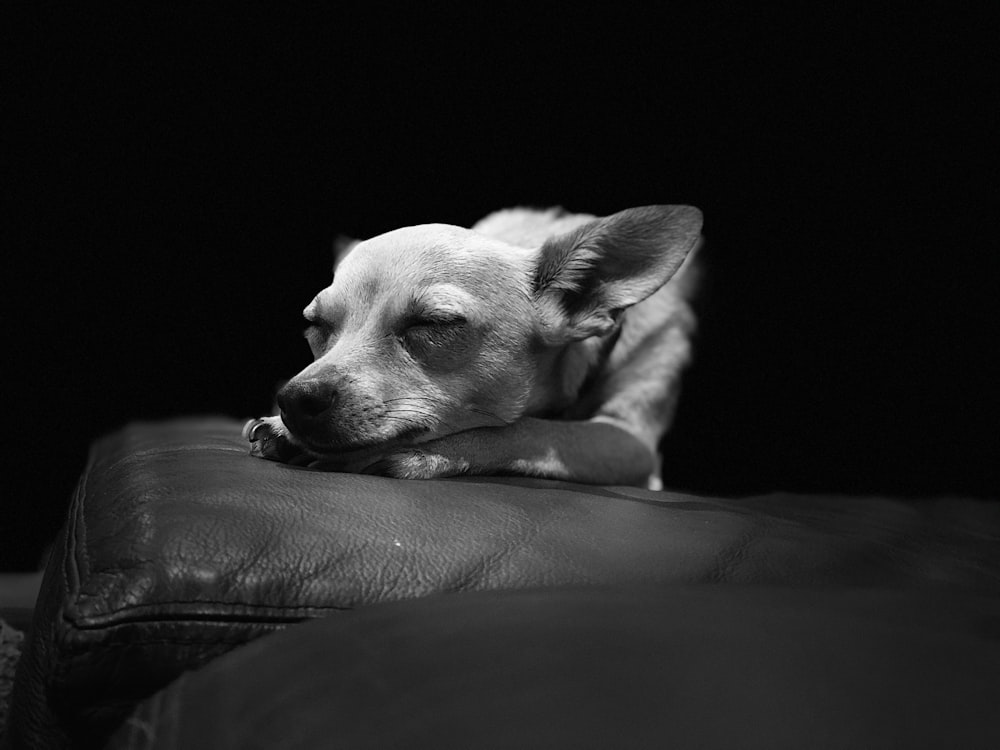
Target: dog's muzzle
[(306, 406)]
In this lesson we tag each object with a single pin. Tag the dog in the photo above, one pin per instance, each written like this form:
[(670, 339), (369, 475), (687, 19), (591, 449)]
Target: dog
[(537, 343)]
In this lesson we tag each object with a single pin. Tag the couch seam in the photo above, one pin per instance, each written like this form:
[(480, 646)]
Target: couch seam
[(153, 617), (75, 554)]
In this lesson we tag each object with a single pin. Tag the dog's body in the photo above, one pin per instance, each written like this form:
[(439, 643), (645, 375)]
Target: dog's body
[(537, 343)]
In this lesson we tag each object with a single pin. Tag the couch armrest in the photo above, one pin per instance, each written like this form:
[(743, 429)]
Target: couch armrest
[(179, 547)]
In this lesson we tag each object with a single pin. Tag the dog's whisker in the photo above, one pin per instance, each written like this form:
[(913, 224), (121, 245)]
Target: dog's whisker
[(431, 418), (500, 421), (430, 415), (412, 407), (412, 416), (410, 411), (485, 413), (432, 401), (404, 420)]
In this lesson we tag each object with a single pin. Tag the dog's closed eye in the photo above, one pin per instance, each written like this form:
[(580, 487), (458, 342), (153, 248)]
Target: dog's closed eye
[(434, 329), (438, 342)]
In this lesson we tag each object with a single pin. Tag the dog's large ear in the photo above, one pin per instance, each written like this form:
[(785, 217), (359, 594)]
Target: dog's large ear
[(585, 278)]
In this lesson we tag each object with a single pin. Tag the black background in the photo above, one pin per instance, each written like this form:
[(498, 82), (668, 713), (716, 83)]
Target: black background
[(173, 180)]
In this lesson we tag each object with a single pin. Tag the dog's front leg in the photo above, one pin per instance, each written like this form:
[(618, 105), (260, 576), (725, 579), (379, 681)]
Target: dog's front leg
[(596, 451), (269, 438)]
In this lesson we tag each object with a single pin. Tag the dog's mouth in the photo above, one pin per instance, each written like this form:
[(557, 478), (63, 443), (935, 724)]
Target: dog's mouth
[(339, 447)]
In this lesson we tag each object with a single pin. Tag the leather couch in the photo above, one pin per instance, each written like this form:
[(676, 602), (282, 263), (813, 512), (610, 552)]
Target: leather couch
[(497, 612)]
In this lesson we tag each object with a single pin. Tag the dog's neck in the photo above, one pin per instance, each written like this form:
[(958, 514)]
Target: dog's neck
[(564, 375)]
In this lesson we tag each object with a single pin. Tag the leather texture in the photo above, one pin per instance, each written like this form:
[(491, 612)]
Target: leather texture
[(630, 667), (179, 546)]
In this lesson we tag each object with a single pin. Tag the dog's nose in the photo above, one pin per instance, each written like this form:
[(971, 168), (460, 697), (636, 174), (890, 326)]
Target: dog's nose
[(305, 399)]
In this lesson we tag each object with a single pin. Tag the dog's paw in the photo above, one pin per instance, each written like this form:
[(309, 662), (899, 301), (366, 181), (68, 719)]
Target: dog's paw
[(269, 439), (415, 463)]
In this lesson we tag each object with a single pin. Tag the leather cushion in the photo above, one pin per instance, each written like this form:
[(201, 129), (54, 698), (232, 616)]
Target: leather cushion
[(180, 546)]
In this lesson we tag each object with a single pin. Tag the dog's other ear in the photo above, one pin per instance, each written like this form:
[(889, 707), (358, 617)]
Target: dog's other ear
[(342, 245), (585, 278)]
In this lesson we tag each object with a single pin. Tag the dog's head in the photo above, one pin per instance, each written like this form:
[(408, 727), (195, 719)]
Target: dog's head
[(434, 329)]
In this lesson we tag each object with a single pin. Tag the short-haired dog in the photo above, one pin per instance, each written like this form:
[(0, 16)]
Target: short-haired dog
[(537, 343)]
